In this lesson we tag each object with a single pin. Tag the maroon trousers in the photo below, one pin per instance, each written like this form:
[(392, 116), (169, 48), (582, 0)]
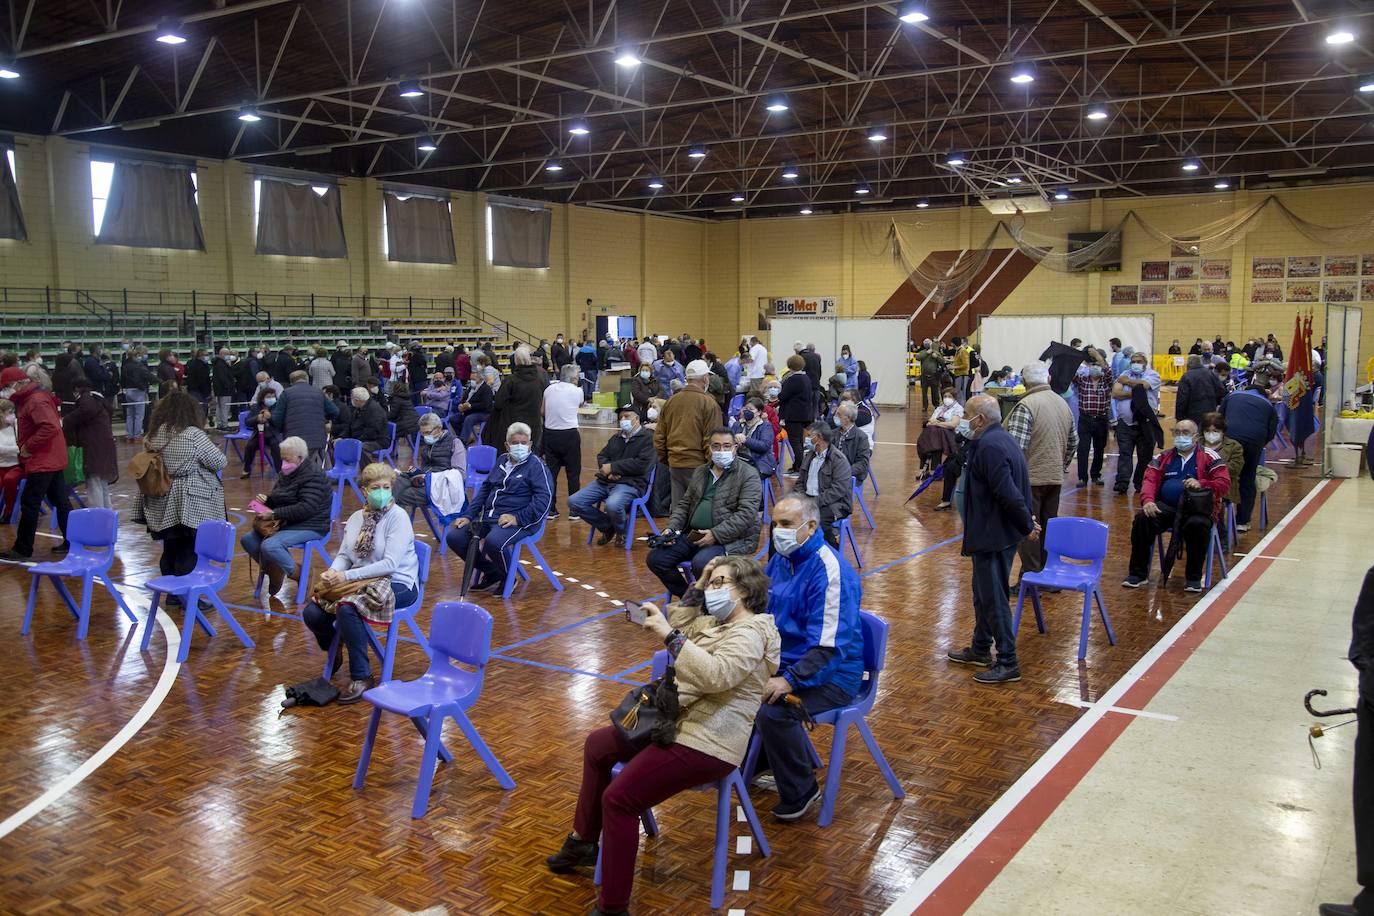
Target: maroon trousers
[(612, 808)]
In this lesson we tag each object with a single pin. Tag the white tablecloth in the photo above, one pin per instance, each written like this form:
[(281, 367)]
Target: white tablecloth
[(1352, 430)]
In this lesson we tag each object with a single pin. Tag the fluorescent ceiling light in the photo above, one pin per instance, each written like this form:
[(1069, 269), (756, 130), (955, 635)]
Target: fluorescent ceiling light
[(627, 58), (805, 211), (553, 167), (789, 172), (7, 71), (170, 34), (1221, 184), (1366, 83), (1014, 179), (697, 152), (862, 189), (922, 204), (1023, 73), (1096, 112), (737, 198), (1191, 166), (579, 129), (1340, 36), (410, 89), (249, 113), (1061, 195), (426, 145), (778, 104), (655, 184), (912, 13), (955, 159), (877, 134)]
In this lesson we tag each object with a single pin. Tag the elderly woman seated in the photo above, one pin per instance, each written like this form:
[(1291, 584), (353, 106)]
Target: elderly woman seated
[(476, 407), (374, 572), (936, 442), (511, 505), (440, 451), (755, 437), (437, 396), (299, 504), (724, 646)]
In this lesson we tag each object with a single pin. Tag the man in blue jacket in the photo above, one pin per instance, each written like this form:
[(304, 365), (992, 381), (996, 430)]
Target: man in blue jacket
[(1253, 422), (997, 516), (510, 505), (814, 600)]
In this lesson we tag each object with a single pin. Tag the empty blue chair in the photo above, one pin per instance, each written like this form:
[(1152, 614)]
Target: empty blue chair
[(872, 478), (1081, 539), (517, 568), (481, 460), (1214, 553), (868, 399), (733, 782), (401, 615), (863, 506), (243, 435), (421, 411), (856, 714), (214, 559), (91, 534), (388, 454), (458, 632), (348, 456), (638, 506), (846, 530)]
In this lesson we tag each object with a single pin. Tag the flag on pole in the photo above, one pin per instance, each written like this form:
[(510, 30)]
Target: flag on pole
[(1299, 377)]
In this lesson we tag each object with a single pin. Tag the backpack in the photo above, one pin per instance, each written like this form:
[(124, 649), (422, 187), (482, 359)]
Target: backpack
[(148, 471)]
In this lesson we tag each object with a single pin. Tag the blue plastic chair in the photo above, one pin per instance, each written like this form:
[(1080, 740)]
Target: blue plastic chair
[(458, 632), (214, 562), (312, 548), (868, 399), (481, 461), (768, 500), (872, 478), (401, 615), (856, 713), (52, 516), (243, 435), (1214, 552), (388, 454), (863, 506), (733, 782), (91, 534), (348, 456), (638, 505), (516, 568), (1082, 539), (736, 405), (437, 522), (846, 530)]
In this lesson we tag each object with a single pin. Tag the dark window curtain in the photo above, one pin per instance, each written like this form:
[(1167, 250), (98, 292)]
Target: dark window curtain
[(419, 230), (152, 205), (11, 217), (293, 219), (520, 236)]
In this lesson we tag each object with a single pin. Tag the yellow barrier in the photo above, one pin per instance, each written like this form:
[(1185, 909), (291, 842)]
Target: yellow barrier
[(1170, 368)]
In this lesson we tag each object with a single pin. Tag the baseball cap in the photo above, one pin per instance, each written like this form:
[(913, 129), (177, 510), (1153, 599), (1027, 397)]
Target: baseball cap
[(342, 342), (624, 407), (698, 368)]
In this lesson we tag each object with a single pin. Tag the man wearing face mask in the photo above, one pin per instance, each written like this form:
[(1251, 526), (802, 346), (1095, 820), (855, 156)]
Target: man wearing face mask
[(669, 373), (644, 387), (997, 517), (622, 475), (814, 600), (684, 425), (932, 365), (1181, 468), (1094, 388), (1136, 423), (440, 451), (560, 354), (562, 442), (826, 478), (510, 506), (1253, 422), (1042, 425), (368, 424), (718, 513)]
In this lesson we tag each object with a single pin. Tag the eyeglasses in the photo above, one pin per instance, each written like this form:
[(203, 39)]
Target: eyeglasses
[(720, 582)]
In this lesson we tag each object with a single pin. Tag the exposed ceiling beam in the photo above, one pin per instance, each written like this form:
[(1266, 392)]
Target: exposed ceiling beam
[(144, 29)]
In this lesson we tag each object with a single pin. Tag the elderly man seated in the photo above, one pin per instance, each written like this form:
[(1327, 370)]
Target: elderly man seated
[(510, 505), (440, 451), (622, 476), (368, 423), (814, 599), (299, 504), (827, 478)]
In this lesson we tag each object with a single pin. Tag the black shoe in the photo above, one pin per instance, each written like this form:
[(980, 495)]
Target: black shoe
[(62, 548), (998, 674), (786, 812), (173, 601), (245, 475), (355, 690), (1082, 484), (607, 535), (1336, 909), (574, 854), (1098, 481), (618, 540), (1119, 491), (12, 557), (552, 516), (969, 657)]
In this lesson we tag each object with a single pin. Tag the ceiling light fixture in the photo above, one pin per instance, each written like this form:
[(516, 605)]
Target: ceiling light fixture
[(7, 71), (697, 152), (426, 145), (922, 204), (777, 104), (1192, 165), (655, 184), (1096, 112), (579, 129), (862, 189), (553, 167), (1221, 184), (410, 89), (738, 198), (627, 58), (250, 114), (1365, 83), (169, 33), (805, 211), (789, 172), (912, 13), (1022, 73), (1014, 179), (877, 134), (1061, 195), (955, 160), (1341, 35)]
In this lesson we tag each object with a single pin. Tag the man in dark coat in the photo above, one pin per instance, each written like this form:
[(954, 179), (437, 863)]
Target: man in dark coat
[(342, 360), (997, 517), (302, 410), (1199, 392), (222, 388), (368, 424), (284, 366), (198, 380)]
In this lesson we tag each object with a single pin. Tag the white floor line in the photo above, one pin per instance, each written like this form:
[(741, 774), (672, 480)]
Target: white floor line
[(1263, 557), (952, 857), (741, 880), (744, 845), (1164, 717), (145, 712), (735, 913)]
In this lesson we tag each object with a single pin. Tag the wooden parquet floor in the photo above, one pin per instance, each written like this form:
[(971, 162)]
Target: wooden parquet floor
[(221, 805)]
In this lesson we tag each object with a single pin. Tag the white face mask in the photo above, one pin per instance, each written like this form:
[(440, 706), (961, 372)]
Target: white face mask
[(1212, 436), (949, 402), (653, 414), (719, 602)]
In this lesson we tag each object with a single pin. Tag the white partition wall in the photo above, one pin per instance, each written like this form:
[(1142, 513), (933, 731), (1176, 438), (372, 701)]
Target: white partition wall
[(879, 342), (1136, 331), (819, 331), (1014, 340)]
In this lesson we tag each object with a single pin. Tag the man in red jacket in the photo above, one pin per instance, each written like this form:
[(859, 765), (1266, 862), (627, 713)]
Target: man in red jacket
[(1186, 466), (43, 455)]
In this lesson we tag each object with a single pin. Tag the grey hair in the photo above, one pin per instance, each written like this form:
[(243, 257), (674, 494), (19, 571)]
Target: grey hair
[(1194, 361), (490, 372), (569, 374), (517, 429), (810, 511), (360, 394), (987, 409), (1036, 372), (847, 409), (822, 429), (295, 445), (431, 419), (522, 356)]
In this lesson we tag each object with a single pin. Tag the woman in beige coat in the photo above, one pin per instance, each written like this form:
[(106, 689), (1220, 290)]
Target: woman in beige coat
[(725, 647)]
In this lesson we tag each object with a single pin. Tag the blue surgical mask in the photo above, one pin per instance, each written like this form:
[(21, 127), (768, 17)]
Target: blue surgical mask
[(964, 429), (723, 460), (774, 392), (719, 602), (785, 540), (519, 453), (432, 439), (1137, 370), (747, 415), (269, 401), (1183, 443), (1095, 371), (627, 426)]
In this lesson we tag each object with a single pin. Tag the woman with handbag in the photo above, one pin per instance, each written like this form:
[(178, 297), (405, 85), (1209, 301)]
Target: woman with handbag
[(724, 646), (374, 572), (297, 511), (88, 428), (194, 494)]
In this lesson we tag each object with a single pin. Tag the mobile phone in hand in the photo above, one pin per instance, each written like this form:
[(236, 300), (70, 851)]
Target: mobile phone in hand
[(635, 613), (694, 536)]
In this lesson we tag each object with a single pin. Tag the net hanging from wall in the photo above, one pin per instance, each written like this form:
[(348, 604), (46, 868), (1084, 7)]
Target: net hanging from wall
[(943, 277)]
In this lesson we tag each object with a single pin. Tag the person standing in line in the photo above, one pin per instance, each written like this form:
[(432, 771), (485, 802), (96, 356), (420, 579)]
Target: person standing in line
[(959, 369), (321, 369), (1136, 424), (997, 517), (795, 408), (562, 442), (932, 365), (10, 470), (1253, 422), (684, 428), (222, 387), (198, 380), (1042, 425), (1199, 392), (1093, 387), (88, 428), (758, 359), (134, 379), (43, 456)]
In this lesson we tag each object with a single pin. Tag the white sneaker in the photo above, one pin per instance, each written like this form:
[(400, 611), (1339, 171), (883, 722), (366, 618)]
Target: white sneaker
[(765, 782), (1242, 527), (265, 600), (287, 592)]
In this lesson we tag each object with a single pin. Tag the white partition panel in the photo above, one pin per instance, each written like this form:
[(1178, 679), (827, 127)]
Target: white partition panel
[(881, 344), (1136, 331), (1014, 340), (819, 331)]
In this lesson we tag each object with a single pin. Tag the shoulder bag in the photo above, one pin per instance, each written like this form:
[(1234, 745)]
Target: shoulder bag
[(648, 714), (149, 472)]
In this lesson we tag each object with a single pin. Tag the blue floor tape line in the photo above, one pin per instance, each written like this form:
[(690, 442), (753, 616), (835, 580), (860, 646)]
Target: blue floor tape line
[(644, 664), (946, 543), (563, 629), (603, 677)]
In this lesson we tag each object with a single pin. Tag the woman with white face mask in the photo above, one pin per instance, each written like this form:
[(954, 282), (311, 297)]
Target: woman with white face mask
[(936, 442), (723, 645), (1231, 451), (645, 387)]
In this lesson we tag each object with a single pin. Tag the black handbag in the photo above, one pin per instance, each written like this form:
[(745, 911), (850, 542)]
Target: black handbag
[(1197, 502), (648, 714)]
